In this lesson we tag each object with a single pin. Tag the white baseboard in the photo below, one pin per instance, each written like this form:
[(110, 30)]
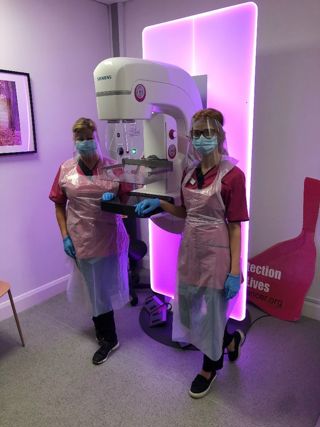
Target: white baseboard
[(35, 296), (311, 308)]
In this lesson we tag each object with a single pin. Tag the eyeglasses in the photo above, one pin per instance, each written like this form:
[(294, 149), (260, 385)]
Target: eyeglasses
[(207, 133)]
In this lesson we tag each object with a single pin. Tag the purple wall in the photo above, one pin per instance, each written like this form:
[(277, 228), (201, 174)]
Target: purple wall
[(59, 43), (50, 41), (287, 105)]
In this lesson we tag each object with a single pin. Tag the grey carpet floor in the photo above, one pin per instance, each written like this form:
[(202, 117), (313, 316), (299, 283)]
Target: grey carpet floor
[(52, 382)]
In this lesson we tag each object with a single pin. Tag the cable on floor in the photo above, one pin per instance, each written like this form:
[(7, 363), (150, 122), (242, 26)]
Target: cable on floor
[(245, 336)]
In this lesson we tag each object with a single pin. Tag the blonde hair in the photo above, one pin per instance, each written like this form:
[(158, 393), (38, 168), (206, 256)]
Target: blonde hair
[(209, 113), (217, 117), (84, 124)]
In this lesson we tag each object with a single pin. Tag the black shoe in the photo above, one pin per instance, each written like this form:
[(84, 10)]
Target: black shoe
[(104, 351), (105, 328), (200, 385), (239, 340), (99, 338)]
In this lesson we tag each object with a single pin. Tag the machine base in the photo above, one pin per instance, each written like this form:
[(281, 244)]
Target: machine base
[(163, 332)]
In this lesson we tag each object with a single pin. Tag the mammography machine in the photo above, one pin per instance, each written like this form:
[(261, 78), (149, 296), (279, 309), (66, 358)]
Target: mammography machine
[(164, 97)]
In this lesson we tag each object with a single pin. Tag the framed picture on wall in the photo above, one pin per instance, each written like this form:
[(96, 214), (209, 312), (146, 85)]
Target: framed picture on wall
[(17, 134)]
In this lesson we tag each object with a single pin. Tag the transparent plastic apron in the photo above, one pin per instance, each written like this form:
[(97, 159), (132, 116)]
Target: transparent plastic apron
[(100, 238), (204, 261)]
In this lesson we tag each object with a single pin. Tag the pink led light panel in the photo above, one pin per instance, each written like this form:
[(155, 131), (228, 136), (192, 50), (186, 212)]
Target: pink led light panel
[(163, 250), (222, 45)]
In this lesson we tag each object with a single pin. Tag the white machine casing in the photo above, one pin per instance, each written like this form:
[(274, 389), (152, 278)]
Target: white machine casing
[(168, 89), (162, 95)]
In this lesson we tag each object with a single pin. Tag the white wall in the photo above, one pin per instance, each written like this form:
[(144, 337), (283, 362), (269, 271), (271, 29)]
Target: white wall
[(59, 42), (287, 104)]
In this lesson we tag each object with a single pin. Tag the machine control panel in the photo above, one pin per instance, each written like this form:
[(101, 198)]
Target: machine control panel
[(124, 139)]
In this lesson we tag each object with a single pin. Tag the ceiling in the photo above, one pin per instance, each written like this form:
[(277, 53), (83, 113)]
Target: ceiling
[(110, 1)]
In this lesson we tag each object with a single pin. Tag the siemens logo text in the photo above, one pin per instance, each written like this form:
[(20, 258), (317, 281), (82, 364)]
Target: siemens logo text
[(104, 78)]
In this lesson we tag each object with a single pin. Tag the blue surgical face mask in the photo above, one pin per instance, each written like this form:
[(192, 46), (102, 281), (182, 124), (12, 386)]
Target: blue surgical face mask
[(86, 147), (204, 145)]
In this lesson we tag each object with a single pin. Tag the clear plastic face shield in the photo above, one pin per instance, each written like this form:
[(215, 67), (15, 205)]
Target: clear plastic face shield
[(207, 138), (86, 142)]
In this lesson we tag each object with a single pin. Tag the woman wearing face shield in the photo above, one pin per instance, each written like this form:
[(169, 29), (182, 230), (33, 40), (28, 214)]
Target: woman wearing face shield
[(97, 240), (213, 204)]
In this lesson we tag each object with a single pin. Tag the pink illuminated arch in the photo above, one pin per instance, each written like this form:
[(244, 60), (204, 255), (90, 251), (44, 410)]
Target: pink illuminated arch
[(222, 45)]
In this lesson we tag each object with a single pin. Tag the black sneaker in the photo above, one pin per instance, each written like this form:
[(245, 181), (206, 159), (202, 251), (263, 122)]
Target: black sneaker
[(200, 385), (104, 351), (99, 338), (239, 340)]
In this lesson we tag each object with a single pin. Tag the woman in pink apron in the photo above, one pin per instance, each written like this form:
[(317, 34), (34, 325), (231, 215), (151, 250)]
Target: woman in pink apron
[(213, 205), (97, 240)]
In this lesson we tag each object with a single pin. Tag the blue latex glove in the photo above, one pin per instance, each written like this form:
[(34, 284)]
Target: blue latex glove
[(232, 286), (147, 206), (68, 247), (106, 197)]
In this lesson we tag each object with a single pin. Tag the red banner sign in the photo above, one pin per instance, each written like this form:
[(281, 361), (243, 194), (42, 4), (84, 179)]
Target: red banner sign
[(279, 277)]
